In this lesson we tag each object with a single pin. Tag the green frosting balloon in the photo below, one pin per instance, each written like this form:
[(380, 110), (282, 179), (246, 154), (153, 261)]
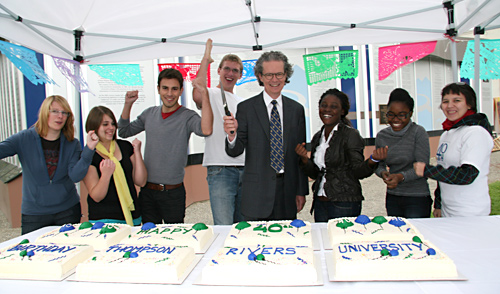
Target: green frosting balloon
[(417, 239), (242, 225), (126, 255), (344, 224), (23, 253), (200, 227), (25, 241), (260, 257), (85, 225), (379, 220), (384, 252), (107, 229)]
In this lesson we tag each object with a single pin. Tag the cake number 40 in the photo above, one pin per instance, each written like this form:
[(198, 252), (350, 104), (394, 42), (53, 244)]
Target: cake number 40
[(274, 228)]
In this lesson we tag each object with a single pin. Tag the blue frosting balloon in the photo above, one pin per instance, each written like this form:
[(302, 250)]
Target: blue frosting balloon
[(98, 225), (148, 226), (362, 219), (431, 251), (133, 255), (252, 256), (394, 252), (298, 223), (30, 253), (397, 222), (66, 228)]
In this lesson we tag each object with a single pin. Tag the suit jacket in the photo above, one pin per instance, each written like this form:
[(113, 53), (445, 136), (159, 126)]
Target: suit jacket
[(259, 178)]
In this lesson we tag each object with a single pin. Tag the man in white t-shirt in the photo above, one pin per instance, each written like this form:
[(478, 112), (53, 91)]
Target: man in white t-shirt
[(224, 173)]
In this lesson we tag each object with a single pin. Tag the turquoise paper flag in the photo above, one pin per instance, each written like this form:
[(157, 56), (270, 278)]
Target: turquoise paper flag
[(489, 60)]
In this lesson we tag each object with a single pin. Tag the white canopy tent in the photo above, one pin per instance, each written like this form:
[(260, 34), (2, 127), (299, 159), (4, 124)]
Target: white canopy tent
[(108, 31)]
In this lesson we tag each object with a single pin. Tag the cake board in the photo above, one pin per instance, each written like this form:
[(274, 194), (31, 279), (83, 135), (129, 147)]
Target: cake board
[(189, 269), (318, 282), (330, 266)]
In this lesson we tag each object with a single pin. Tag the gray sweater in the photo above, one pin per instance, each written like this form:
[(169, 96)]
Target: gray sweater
[(407, 146), (166, 149)]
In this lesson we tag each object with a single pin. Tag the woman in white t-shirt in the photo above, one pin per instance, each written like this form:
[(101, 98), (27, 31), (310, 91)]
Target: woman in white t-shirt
[(463, 156)]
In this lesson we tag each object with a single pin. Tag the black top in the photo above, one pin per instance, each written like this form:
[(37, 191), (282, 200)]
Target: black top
[(109, 207)]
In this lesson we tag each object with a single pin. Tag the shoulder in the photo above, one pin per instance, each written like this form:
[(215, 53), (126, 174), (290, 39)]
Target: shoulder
[(124, 145), (292, 103)]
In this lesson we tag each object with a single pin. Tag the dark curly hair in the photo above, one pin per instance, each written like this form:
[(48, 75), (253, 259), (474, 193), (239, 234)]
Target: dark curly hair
[(344, 101)]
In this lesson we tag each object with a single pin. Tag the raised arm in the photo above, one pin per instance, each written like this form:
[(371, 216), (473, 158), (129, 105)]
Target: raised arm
[(140, 175), (202, 74)]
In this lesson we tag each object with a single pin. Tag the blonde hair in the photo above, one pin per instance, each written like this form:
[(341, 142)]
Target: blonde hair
[(42, 125)]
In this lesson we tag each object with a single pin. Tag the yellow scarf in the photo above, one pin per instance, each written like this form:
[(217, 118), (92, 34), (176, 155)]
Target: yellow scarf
[(121, 185)]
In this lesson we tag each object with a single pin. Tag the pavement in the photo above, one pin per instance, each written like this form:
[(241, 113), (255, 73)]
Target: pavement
[(373, 205)]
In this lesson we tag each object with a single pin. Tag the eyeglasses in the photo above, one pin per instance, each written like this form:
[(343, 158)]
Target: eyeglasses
[(269, 76), (402, 115), (57, 112), (228, 69)]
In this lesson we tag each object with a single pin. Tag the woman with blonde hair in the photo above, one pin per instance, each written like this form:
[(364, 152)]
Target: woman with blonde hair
[(51, 164), (116, 168)]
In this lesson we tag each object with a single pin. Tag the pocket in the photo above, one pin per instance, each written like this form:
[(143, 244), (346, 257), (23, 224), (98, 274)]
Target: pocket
[(53, 194), (213, 170)]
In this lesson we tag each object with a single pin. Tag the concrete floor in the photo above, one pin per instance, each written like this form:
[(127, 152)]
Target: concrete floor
[(373, 191)]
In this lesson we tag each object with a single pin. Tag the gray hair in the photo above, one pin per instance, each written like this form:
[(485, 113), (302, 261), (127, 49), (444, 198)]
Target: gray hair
[(273, 56)]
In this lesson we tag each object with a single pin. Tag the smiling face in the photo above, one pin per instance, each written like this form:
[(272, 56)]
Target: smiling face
[(274, 85), (56, 120), (330, 110), (454, 106), (229, 73), (399, 115), (170, 90), (107, 129)]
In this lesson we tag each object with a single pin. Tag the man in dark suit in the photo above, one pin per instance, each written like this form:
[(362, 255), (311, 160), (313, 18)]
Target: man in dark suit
[(274, 187)]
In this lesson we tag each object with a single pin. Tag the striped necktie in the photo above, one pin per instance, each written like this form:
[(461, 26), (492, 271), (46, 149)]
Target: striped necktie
[(276, 140)]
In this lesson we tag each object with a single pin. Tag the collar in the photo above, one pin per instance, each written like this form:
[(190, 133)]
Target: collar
[(268, 99)]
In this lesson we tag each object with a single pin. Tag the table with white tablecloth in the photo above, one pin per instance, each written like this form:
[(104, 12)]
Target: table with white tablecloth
[(472, 242)]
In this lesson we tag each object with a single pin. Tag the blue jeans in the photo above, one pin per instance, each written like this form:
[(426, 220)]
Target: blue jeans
[(408, 206), (224, 186), (325, 210), (30, 223)]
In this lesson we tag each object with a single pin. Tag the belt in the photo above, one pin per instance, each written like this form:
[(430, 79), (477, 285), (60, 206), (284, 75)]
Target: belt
[(279, 175), (322, 198), (161, 187)]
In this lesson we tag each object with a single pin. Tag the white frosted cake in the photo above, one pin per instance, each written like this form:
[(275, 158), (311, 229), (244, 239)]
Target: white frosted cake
[(296, 233), (195, 236), (99, 235), (136, 264), (363, 228), (269, 265), (36, 261), (391, 260)]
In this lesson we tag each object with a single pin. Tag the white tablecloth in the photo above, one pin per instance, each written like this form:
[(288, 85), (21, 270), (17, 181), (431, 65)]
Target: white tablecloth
[(472, 242)]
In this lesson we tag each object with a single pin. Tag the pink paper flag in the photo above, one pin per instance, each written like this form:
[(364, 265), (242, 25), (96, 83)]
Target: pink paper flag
[(391, 58)]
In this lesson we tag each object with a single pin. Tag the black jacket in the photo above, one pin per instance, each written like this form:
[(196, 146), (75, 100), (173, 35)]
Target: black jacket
[(345, 165)]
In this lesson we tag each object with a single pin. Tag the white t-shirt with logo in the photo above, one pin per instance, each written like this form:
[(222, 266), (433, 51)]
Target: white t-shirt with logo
[(466, 145)]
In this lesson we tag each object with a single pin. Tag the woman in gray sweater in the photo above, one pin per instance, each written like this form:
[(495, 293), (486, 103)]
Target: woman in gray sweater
[(407, 194)]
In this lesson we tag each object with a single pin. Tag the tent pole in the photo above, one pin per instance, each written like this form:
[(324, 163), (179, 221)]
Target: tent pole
[(477, 65), (452, 32)]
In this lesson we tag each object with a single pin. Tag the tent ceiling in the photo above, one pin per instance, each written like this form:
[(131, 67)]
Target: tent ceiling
[(125, 30)]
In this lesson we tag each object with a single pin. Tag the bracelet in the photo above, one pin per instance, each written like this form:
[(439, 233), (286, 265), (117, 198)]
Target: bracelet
[(374, 160)]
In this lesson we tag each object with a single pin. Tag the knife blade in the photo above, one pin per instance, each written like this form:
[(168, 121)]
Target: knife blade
[(224, 102)]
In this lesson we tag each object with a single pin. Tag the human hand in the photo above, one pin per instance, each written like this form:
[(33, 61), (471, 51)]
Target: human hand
[(92, 140), (107, 168), (131, 96), (230, 126), (419, 168), (301, 151), (380, 153), (392, 180), (208, 51), (136, 143), (300, 201), (437, 213)]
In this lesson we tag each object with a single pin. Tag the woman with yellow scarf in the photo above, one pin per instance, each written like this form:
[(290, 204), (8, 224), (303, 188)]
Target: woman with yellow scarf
[(116, 168)]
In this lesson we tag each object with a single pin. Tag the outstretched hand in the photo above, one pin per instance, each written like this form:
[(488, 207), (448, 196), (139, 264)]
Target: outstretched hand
[(208, 51), (301, 151), (380, 153), (230, 126), (131, 96)]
